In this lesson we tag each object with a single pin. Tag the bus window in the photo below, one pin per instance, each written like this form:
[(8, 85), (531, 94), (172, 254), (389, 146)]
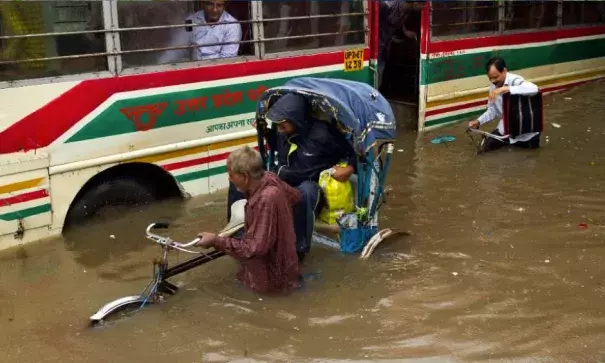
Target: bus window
[(28, 57), (530, 14), (148, 32), (297, 25), (583, 12), (464, 17)]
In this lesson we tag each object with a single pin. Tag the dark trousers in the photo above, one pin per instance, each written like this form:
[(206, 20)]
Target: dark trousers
[(304, 213), (491, 144)]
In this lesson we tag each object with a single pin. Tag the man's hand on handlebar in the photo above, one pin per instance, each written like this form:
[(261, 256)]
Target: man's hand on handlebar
[(206, 239), (473, 124)]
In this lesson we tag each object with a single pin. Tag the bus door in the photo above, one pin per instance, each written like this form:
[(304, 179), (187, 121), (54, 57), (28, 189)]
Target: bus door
[(400, 80)]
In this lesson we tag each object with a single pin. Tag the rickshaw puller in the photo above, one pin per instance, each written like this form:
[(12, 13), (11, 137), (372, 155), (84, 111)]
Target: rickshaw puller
[(266, 250)]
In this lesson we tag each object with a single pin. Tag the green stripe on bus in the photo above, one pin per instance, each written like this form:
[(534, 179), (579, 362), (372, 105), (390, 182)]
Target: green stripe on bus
[(471, 65), (24, 213), (458, 117), (177, 108), (201, 174)]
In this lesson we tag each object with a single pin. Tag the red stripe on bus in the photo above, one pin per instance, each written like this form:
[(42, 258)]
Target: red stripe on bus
[(199, 161), (514, 39), (455, 108), (564, 87), (194, 162), (464, 106), (22, 198), (43, 126)]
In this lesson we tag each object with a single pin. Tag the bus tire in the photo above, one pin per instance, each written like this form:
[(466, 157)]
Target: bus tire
[(119, 191)]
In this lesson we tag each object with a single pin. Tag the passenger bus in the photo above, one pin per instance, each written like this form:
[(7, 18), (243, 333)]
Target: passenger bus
[(91, 113), (112, 102)]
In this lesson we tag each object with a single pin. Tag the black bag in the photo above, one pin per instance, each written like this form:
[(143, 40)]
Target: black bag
[(522, 114)]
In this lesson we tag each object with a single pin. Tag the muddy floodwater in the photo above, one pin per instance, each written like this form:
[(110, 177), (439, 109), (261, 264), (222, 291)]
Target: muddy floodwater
[(504, 263)]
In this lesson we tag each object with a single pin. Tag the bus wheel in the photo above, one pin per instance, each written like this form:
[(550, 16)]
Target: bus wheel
[(110, 196)]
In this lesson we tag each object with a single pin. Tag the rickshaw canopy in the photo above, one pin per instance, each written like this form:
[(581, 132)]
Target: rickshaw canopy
[(363, 115)]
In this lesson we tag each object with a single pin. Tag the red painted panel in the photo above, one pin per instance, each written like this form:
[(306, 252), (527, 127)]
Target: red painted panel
[(22, 198), (434, 112), (464, 106), (514, 39), (425, 28), (45, 125)]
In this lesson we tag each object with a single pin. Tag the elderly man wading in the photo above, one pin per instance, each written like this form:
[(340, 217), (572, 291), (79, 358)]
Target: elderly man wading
[(267, 249)]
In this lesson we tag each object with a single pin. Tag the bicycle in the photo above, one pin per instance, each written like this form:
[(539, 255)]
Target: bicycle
[(159, 285)]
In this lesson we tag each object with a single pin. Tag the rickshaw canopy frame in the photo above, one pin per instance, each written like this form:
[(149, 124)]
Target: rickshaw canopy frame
[(360, 112)]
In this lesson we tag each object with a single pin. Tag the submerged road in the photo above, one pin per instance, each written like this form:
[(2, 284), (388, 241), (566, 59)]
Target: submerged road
[(504, 264)]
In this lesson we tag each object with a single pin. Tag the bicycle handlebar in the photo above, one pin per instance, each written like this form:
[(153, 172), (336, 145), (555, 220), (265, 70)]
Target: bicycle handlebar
[(167, 241), (190, 244), (155, 225)]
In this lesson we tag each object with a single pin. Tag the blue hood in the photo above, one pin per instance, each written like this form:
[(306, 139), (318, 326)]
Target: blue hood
[(292, 107), (361, 110)]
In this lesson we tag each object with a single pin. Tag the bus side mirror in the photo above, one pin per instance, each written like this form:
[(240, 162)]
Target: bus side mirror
[(189, 28)]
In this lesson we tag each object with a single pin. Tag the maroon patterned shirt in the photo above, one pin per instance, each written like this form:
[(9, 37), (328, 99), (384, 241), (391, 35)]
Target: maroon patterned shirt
[(267, 250)]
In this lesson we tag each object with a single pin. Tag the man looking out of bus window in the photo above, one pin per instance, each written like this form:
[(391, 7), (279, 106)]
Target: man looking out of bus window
[(267, 249), (213, 12), (502, 81)]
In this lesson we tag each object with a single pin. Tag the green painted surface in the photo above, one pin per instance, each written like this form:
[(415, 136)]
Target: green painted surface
[(470, 65), (202, 174), (241, 98), (24, 213), (458, 117)]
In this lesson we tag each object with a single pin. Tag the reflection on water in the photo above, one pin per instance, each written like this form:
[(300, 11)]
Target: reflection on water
[(498, 267)]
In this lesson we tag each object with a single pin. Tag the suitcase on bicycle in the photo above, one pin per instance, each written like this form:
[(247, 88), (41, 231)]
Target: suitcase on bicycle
[(522, 114)]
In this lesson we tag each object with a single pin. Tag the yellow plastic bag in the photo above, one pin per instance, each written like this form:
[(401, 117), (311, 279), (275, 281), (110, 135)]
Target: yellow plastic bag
[(339, 198)]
